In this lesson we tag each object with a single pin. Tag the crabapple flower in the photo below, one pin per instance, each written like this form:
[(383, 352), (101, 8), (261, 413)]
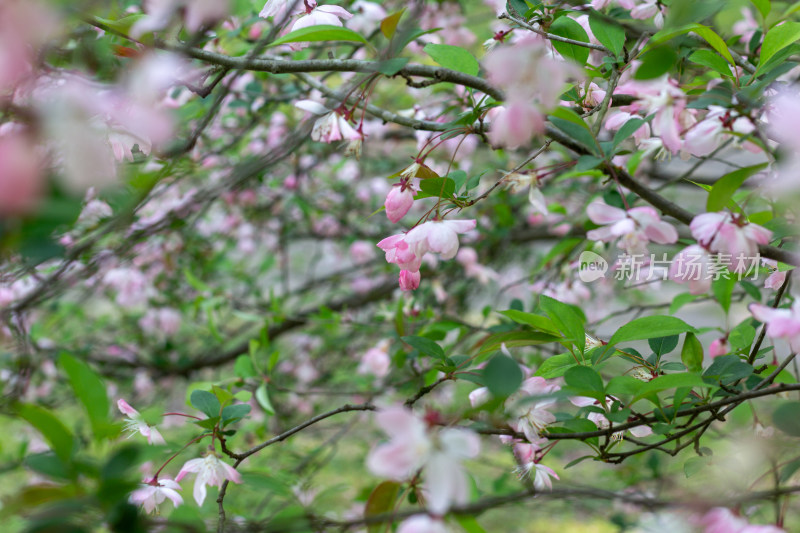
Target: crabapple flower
[(721, 232), (399, 252), (376, 360), (781, 323), (210, 471), (722, 520), (692, 265), (399, 201), (331, 126), (440, 236), (529, 466), (705, 136), (413, 446), (636, 227), (534, 417), (21, 178), (422, 524), (136, 424), (514, 124), (409, 281), (322, 15), (718, 347), (776, 279), (153, 493), (279, 8)]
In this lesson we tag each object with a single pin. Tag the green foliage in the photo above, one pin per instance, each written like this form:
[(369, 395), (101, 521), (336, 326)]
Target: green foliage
[(650, 327), (569, 28), (453, 57), (321, 32)]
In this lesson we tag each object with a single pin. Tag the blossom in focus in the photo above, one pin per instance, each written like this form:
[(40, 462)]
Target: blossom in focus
[(399, 252), (529, 466), (279, 8), (318, 15), (152, 493), (399, 201), (412, 447), (776, 279), (331, 126), (409, 281), (636, 227), (721, 232), (440, 236), (532, 417), (210, 471), (136, 424), (781, 323)]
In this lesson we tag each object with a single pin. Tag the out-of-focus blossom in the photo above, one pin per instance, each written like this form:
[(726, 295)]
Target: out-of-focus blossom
[(663, 97), (210, 471), (692, 265), (529, 466), (781, 323), (165, 321), (367, 16), (133, 288), (21, 178), (136, 424), (636, 227), (533, 416), (718, 347), (422, 523), (747, 26), (376, 360), (153, 492), (776, 279), (279, 8), (705, 136), (514, 124), (361, 251), (197, 13), (721, 232), (722, 520), (411, 448), (468, 258)]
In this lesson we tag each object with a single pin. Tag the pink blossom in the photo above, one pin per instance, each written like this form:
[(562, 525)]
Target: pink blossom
[(399, 251), (718, 347), (722, 520), (153, 493), (664, 98), (705, 136), (781, 323), (331, 126), (422, 523), (439, 236), (692, 265), (532, 417), (279, 8), (376, 360), (210, 471), (399, 201), (720, 232), (361, 251), (409, 281), (408, 448), (747, 26), (515, 124), (776, 279), (21, 179), (636, 226), (136, 424)]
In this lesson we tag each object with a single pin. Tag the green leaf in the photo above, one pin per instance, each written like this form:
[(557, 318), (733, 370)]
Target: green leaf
[(262, 397), (502, 376), (205, 402), (650, 327), (624, 385), (627, 129), (727, 368), (469, 524), (390, 67), (670, 381), (776, 39), (244, 368), (235, 412), (585, 380), (322, 32), (655, 63), (51, 428), (425, 346), (453, 57), (571, 29), (692, 353), (663, 345), (556, 366), (694, 465), (723, 290), (435, 187), (538, 322), (714, 40), (516, 339), (565, 318), (381, 500), (91, 391), (681, 300), (709, 59), (722, 191), (48, 464), (787, 418), (610, 35), (763, 6)]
